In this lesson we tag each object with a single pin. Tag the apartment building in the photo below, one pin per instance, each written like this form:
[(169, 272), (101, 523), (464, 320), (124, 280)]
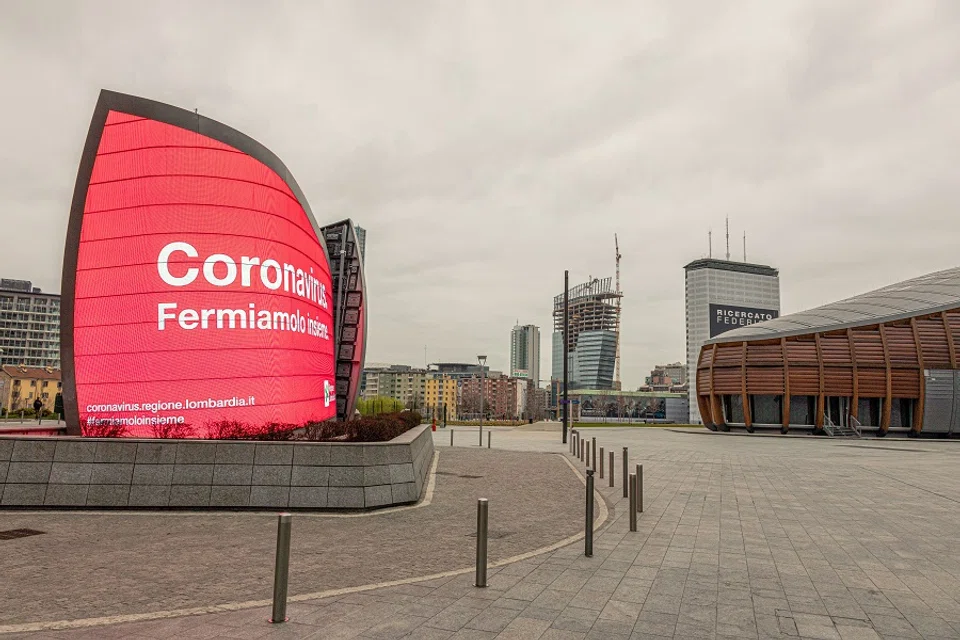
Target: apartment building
[(406, 384), (501, 398), (20, 386), (440, 396), (29, 325)]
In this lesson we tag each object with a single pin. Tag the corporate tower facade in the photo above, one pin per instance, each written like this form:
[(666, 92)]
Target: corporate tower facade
[(722, 295), (525, 353), (594, 323)]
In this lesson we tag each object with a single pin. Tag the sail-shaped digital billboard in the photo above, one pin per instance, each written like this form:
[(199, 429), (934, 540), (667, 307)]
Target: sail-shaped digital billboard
[(196, 286)]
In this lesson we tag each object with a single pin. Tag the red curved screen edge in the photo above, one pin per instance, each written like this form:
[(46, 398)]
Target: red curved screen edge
[(175, 342)]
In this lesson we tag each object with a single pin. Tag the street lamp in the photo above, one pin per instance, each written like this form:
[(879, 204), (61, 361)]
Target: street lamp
[(566, 348), (482, 360)]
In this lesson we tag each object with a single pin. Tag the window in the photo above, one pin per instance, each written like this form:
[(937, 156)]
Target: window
[(901, 412), (869, 411), (803, 410), (733, 409), (766, 409)]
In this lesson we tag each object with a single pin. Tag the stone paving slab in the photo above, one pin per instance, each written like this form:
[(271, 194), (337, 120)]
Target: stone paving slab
[(104, 564), (740, 538)]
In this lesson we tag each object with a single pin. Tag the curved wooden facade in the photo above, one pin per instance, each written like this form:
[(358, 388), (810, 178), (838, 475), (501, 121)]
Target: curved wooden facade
[(877, 366)]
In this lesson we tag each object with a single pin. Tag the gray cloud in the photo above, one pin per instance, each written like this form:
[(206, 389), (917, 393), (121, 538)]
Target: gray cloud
[(489, 145)]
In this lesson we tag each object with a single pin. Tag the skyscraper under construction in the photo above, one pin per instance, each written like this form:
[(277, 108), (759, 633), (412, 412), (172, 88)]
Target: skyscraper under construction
[(594, 324)]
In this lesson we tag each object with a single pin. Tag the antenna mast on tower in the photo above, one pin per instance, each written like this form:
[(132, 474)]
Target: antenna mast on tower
[(728, 238), (616, 374)]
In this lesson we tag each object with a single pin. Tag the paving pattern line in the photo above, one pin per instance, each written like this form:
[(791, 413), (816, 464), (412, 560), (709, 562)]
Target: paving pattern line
[(81, 623)]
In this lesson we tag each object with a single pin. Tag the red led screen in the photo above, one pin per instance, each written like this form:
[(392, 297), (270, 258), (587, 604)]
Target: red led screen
[(202, 293)]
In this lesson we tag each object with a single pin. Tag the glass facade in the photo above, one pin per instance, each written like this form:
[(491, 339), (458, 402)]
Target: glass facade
[(525, 352), (596, 359)]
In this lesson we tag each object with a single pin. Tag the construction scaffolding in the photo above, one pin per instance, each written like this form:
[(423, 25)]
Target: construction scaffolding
[(594, 307)]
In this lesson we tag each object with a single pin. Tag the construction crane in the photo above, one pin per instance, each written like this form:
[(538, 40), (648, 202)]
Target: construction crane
[(616, 375)]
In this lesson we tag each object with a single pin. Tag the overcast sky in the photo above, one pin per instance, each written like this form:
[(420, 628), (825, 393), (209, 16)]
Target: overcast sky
[(488, 146)]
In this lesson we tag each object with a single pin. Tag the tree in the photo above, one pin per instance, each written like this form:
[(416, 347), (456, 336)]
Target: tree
[(378, 404), (470, 404)]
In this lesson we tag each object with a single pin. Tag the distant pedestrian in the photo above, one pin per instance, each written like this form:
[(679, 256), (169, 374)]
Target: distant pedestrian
[(37, 408)]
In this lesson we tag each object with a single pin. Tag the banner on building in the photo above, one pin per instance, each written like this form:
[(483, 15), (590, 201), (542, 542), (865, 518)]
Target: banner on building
[(724, 317)]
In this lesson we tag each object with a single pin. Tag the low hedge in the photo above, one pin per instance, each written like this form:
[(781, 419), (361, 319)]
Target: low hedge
[(378, 428)]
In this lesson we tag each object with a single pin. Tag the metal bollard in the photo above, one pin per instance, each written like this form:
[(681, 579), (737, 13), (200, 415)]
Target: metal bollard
[(580, 453), (593, 449), (282, 569), (588, 536), (633, 502), (59, 417), (586, 453), (611, 468), (640, 488), (488, 439), (451, 437), (482, 514), (573, 443), (21, 417), (601, 462), (626, 472)]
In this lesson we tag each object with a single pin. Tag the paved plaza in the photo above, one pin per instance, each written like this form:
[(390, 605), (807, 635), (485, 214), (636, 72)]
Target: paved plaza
[(741, 537)]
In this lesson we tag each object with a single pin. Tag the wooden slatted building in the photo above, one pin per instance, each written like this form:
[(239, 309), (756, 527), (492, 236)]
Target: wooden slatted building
[(866, 360)]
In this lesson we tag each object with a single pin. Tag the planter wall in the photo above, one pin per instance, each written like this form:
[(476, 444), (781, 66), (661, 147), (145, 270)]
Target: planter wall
[(70, 472)]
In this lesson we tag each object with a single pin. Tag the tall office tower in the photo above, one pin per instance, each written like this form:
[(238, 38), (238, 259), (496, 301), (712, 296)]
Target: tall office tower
[(361, 240), (594, 324), (723, 295), (29, 325), (525, 353)]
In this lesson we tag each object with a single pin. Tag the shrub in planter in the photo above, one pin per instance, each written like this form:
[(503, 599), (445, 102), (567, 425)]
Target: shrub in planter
[(379, 428), (172, 431), (236, 430), (102, 430)]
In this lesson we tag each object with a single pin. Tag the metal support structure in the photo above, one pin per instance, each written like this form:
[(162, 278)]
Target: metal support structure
[(482, 515), (451, 437), (566, 348), (626, 472), (611, 468), (586, 453), (588, 536), (640, 488), (281, 571), (488, 439), (593, 452), (632, 483), (601, 462)]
